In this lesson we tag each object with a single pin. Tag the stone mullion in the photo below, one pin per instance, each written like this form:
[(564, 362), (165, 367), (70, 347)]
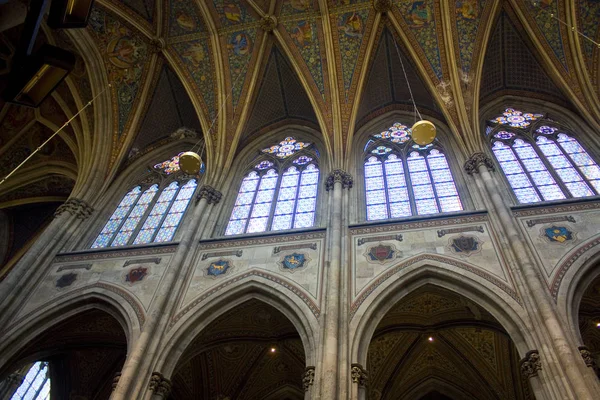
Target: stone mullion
[(565, 374), (26, 272), (142, 357)]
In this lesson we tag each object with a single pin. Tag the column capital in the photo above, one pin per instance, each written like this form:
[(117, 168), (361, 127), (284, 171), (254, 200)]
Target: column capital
[(308, 378), (359, 375), (530, 364), (160, 385), (475, 161), (338, 175), (115, 381), (212, 195), (587, 356), (78, 208)]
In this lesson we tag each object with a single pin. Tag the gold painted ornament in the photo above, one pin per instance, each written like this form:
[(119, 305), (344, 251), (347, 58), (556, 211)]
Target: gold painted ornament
[(190, 162), (423, 132)]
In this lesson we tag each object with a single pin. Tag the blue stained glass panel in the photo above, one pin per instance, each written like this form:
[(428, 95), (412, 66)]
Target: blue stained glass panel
[(373, 170), (438, 162), (570, 145), (416, 164), (281, 222), (130, 224), (525, 151), (111, 226), (394, 167), (290, 179), (568, 175), (244, 198), (121, 239), (240, 212), (179, 205), (376, 197), (261, 210), (267, 183), (305, 205), (445, 189), (399, 194), (596, 185), (534, 164), (527, 195), (559, 161), (420, 178), (512, 167), (400, 209), (377, 212), (518, 181), (549, 149), (304, 220), (144, 236), (287, 193), (423, 191), (427, 206), (450, 204), (374, 183), (441, 175), (257, 225), (592, 172), (579, 189), (284, 207), (101, 241), (264, 196), (504, 155), (582, 159), (542, 178), (172, 219), (551, 192), (395, 181), (235, 227), (165, 234), (249, 185), (309, 178), (307, 191)]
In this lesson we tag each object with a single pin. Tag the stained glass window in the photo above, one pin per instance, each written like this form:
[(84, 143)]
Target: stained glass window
[(397, 133), (431, 189), (131, 223), (544, 164), (516, 118), (286, 147), (295, 194), (36, 384), (169, 166)]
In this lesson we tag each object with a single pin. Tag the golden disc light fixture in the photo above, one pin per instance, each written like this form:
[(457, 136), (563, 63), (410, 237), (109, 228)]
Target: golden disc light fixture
[(423, 132), (190, 162)]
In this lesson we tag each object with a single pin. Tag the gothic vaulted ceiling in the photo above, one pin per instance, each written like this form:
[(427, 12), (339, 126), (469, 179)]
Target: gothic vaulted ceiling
[(229, 70)]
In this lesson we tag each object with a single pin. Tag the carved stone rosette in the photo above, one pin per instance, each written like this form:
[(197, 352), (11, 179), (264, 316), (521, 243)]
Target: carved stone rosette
[(212, 195), (308, 378), (475, 161), (268, 23), (78, 208), (339, 176), (382, 6), (531, 364), (587, 356), (160, 385), (359, 375)]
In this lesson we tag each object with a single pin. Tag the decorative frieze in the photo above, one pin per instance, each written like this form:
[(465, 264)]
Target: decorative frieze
[(338, 175), (237, 253), (547, 220), (212, 195), (279, 249), (444, 232), (160, 385), (308, 379), (155, 260), (78, 208), (359, 375), (475, 161), (587, 356), (531, 364), (362, 241), (75, 266)]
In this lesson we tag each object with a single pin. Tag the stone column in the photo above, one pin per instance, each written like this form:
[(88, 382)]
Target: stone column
[(335, 183), (360, 379), (308, 379), (22, 276), (541, 304), (159, 387), (140, 360)]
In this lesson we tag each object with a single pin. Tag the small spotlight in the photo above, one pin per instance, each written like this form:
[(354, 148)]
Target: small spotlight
[(598, 325), (430, 339), (70, 13), (36, 76), (273, 349)]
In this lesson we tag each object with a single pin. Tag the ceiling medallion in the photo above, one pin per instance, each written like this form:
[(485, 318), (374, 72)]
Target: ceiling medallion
[(268, 23), (382, 6)]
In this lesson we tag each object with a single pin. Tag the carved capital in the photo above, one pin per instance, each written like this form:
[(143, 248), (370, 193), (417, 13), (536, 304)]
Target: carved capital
[(115, 381), (268, 23), (212, 195), (531, 364), (475, 161), (359, 375), (382, 6), (308, 378), (587, 356), (160, 385), (339, 176), (78, 208)]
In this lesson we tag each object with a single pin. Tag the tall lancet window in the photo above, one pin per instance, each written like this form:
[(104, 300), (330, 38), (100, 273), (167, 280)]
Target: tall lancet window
[(35, 385), (404, 179), (279, 192), (540, 159), (151, 213)]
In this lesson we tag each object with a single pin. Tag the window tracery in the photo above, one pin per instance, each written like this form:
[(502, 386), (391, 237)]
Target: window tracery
[(541, 161), (280, 192), (36, 384), (404, 179)]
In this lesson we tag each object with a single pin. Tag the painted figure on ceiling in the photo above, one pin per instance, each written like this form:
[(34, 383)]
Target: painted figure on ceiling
[(352, 25), (302, 34), (419, 14), (194, 53), (232, 12), (186, 22), (240, 43), (468, 9), (300, 5)]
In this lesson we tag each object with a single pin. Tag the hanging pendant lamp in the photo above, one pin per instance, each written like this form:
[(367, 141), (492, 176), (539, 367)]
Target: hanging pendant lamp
[(190, 162), (423, 132)]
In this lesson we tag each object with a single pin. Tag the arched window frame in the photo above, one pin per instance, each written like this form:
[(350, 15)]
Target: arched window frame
[(280, 166), (162, 182), (530, 135), (403, 151)]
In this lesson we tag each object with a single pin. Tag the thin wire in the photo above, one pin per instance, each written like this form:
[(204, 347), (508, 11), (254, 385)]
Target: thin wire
[(536, 4), (53, 135), (221, 107), (407, 82)]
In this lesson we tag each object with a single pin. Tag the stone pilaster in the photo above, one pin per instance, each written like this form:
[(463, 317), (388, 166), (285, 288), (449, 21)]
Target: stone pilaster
[(475, 161), (80, 209), (212, 195), (159, 385), (359, 375), (337, 175), (308, 378), (531, 364)]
